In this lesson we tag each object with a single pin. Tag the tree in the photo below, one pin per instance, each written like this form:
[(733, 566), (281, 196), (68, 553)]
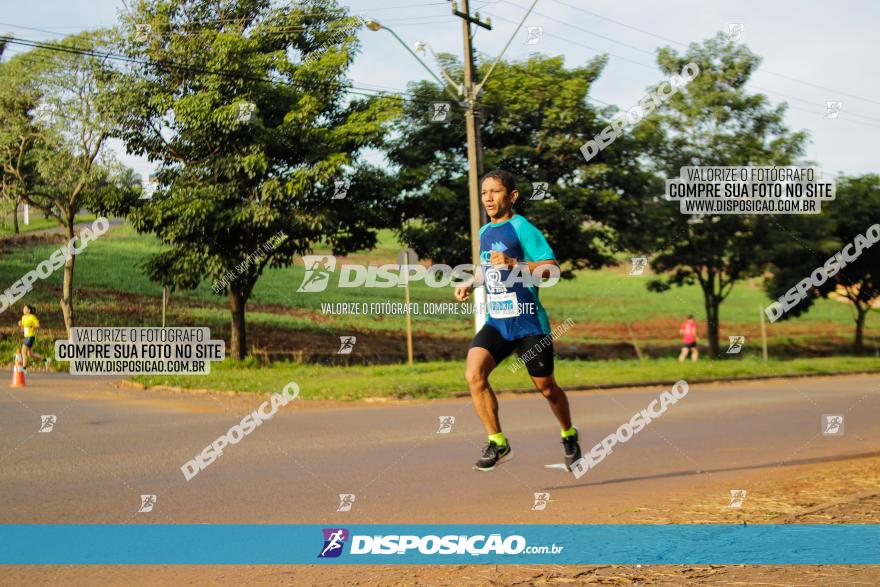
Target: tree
[(54, 149), (805, 244), (712, 121), (245, 109), (535, 117), (19, 134)]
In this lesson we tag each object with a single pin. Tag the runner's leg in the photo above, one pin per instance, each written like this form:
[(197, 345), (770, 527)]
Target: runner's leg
[(479, 365), (556, 397)]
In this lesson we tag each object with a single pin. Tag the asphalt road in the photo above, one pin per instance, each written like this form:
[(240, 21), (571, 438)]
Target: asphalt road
[(110, 445)]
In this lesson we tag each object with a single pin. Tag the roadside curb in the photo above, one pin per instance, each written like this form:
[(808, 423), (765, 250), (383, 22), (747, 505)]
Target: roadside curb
[(662, 383), (462, 394), (174, 389)]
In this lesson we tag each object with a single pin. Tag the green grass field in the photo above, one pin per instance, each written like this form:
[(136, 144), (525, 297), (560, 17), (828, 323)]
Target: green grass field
[(111, 290), (593, 299)]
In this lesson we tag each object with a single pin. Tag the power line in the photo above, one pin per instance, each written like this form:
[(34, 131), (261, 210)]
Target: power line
[(353, 89), (578, 43), (169, 64), (643, 31), (654, 68), (568, 24), (172, 29)]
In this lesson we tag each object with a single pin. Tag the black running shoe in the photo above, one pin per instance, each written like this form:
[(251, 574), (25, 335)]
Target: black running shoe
[(492, 455), (572, 449)]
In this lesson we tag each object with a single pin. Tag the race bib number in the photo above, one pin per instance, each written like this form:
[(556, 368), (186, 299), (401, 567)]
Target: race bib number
[(503, 305)]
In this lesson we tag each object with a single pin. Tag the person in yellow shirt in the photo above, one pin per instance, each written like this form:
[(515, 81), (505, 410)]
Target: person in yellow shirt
[(29, 324)]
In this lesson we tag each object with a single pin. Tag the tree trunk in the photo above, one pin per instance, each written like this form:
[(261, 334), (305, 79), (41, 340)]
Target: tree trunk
[(861, 314), (238, 338), (15, 215), (67, 284), (713, 305)]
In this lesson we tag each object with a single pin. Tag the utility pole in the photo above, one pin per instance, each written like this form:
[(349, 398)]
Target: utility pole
[(472, 116), (471, 90), (475, 147)]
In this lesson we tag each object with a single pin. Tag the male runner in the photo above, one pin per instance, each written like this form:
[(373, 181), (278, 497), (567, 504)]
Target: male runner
[(688, 331), (509, 240)]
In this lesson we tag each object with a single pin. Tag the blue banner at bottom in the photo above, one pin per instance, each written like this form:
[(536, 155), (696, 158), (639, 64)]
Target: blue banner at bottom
[(789, 544)]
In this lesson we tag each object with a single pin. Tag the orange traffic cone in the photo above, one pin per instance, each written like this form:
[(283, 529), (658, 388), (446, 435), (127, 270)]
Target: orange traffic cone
[(17, 372)]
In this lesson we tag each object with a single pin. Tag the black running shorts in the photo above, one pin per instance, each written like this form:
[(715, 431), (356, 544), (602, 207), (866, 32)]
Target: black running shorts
[(535, 350)]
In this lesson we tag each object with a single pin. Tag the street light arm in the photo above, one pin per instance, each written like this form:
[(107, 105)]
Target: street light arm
[(479, 87), (425, 65), (443, 70)]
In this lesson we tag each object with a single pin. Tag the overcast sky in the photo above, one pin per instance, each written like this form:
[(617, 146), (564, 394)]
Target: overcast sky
[(812, 52)]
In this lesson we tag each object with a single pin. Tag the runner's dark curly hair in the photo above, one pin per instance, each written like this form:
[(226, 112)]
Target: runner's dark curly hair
[(506, 178)]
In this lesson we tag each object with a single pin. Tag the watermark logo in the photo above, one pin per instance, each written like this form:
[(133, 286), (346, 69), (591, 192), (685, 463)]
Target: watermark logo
[(334, 540), (235, 434), (44, 113), (142, 32), (96, 350), (737, 496), (475, 545), (833, 108), (534, 34), (749, 190), (340, 189), (820, 275), (540, 190), (339, 37), (245, 112), (148, 502), (736, 344), (261, 253), (663, 92), (47, 423), (536, 348), (735, 31), (627, 430), (319, 268), (446, 423), (346, 501), (541, 501), (439, 111), (55, 261), (318, 271), (346, 345), (832, 424), (638, 265), (148, 189)]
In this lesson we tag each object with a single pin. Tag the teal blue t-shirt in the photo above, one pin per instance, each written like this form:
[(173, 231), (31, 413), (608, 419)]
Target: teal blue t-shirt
[(509, 312)]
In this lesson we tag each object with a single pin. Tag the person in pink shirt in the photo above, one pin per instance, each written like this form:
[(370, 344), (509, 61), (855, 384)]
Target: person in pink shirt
[(688, 332)]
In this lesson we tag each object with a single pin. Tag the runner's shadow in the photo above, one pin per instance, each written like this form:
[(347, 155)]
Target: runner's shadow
[(671, 474)]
